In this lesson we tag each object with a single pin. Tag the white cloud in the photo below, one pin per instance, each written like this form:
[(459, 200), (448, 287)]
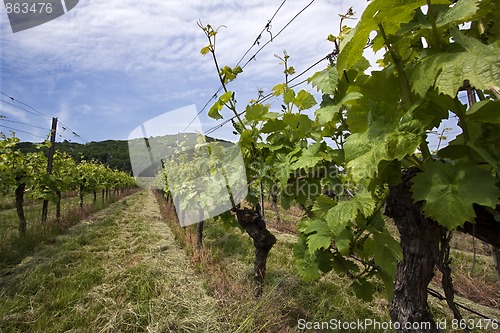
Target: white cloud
[(129, 60), (11, 112)]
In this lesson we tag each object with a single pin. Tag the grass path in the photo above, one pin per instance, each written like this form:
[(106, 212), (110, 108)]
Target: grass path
[(119, 271), (9, 221), (122, 271)]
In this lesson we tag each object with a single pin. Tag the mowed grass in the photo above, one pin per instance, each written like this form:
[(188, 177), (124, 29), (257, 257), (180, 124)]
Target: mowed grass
[(473, 267), (119, 271), (14, 247), (226, 261), (127, 270), (33, 211)]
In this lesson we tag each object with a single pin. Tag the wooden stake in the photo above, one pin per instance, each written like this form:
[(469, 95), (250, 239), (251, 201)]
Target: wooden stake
[(45, 207)]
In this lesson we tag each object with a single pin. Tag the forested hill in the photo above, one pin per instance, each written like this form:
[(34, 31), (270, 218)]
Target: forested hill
[(113, 153)]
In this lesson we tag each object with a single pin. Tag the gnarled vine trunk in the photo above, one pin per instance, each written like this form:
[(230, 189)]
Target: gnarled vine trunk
[(263, 240), (420, 239), (19, 207), (80, 194), (45, 211)]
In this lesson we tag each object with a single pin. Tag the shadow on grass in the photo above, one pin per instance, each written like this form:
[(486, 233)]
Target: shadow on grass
[(225, 263), (14, 247)]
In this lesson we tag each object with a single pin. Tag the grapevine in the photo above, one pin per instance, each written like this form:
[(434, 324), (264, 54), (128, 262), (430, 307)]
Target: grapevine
[(381, 164), (26, 175)]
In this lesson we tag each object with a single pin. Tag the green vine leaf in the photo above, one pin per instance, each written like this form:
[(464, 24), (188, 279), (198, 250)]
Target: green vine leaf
[(301, 124), (310, 157), (388, 137), (450, 190), (343, 242), (345, 212), (225, 97), (319, 235), (273, 125), (305, 162), (206, 49), (476, 62), (256, 112), (485, 111), (391, 13), (228, 74), (305, 262), (304, 100), (386, 251), (326, 80), (329, 110), (288, 95), (363, 289), (214, 111), (279, 89), (462, 11), (322, 205)]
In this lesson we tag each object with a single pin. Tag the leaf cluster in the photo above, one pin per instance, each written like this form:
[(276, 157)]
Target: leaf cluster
[(373, 123)]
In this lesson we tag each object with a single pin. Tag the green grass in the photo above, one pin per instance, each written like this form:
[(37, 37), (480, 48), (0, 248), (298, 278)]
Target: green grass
[(14, 247), (474, 276), (115, 272), (126, 270), (227, 263), (33, 210)]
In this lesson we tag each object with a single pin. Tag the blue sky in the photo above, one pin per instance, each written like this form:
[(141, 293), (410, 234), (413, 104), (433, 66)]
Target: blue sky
[(106, 67)]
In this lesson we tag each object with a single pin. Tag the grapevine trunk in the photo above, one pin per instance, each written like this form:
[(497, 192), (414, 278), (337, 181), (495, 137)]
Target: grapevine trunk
[(80, 193), (263, 241), (420, 239), (45, 211), (19, 207)]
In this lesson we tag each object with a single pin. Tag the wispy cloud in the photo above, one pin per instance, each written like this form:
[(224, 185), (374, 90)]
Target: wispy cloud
[(123, 61)]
